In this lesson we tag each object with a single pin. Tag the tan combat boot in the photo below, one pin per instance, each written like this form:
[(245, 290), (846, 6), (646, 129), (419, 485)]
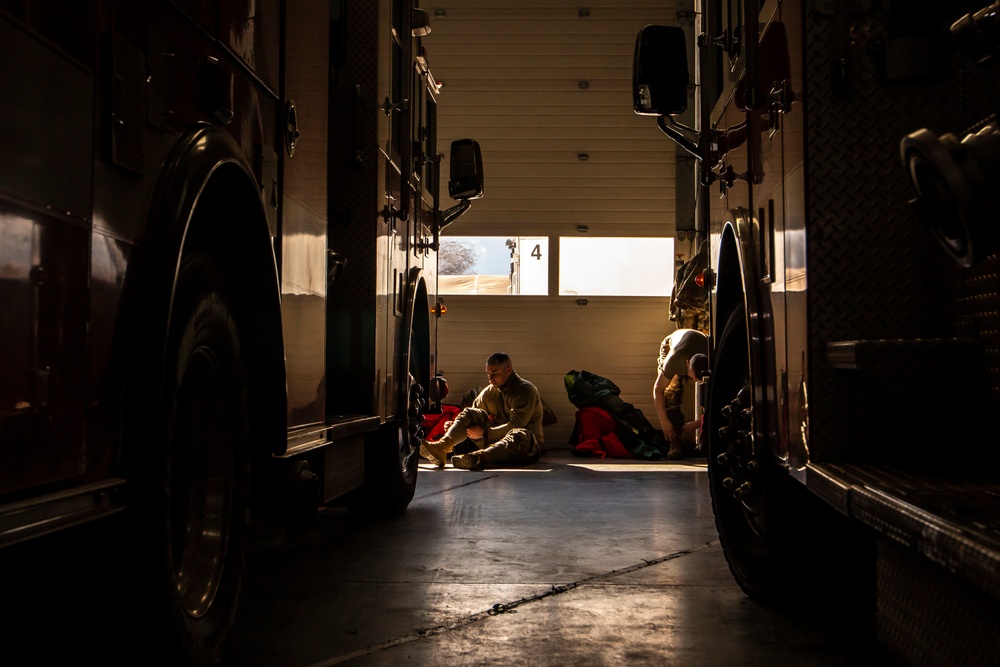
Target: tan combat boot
[(470, 461), (477, 460), (435, 452)]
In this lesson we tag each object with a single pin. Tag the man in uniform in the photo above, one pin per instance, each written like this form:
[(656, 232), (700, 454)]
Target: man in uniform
[(682, 357), (505, 421)]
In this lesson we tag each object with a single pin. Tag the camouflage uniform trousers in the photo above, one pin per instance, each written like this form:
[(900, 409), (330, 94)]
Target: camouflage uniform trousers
[(673, 398), (518, 447)]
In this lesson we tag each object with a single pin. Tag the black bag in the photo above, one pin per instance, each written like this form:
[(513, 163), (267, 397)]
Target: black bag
[(585, 389), (637, 423)]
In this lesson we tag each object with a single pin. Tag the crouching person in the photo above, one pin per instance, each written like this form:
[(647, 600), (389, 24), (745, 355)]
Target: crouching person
[(504, 422)]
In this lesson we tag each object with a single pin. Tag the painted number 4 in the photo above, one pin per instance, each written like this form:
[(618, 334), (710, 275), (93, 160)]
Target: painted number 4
[(536, 252)]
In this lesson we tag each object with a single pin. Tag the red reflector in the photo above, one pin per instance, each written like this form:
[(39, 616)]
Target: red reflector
[(699, 279), (439, 389)]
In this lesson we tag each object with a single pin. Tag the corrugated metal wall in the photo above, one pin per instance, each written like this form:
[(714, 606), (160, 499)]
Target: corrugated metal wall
[(540, 84), (512, 73)]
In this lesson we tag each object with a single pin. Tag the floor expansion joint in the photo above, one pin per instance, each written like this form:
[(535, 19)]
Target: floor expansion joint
[(508, 607)]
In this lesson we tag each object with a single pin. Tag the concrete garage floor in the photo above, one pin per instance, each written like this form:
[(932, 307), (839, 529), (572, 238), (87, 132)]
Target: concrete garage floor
[(581, 562), (570, 562)]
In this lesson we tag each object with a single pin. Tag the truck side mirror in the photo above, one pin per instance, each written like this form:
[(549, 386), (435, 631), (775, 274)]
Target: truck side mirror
[(660, 71), (466, 184), (466, 170)]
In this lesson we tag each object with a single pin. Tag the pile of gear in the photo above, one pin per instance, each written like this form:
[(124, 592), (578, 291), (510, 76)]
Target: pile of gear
[(607, 426)]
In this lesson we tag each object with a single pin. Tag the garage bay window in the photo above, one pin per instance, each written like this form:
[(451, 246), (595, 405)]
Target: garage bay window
[(586, 266)]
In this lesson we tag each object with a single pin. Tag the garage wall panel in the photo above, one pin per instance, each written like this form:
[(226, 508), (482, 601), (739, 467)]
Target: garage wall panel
[(546, 338)]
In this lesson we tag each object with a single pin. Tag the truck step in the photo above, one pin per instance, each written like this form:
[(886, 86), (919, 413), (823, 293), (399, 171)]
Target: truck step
[(938, 557)]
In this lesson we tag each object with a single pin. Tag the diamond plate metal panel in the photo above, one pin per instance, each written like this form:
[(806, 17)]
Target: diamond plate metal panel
[(977, 314), (873, 271), (354, 205), (928, 617)]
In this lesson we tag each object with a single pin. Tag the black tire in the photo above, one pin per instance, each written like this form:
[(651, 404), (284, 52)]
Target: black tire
[(741, 521), (200, 507), (392, 459), (784, 547)]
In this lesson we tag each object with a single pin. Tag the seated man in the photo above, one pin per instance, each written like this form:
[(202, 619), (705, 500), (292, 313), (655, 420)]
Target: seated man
[(674, 367), (505, 421)]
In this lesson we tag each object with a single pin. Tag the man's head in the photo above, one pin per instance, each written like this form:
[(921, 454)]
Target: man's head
[(697, 366), (498, 369)]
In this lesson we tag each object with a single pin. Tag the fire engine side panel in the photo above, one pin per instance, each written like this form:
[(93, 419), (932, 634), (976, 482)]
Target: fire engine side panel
[(393, 68), (775, 140), (123, 192), (45, 215), (790, 245), (371, 211), (131, 77), (183, 90), (253, 35), (304, 212), (357, 183), (873, 272)]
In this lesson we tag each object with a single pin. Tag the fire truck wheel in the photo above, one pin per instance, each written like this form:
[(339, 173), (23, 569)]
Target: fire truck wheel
[(784, 547), (206, 471), (738, 513), (392, 461)]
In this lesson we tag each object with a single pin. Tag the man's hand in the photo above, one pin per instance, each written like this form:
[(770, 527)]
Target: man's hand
[(475, 432), (690, 428), (669, 432)]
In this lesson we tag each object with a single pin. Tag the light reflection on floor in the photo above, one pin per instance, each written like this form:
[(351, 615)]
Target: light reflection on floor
[(596, 465), (642, 466)]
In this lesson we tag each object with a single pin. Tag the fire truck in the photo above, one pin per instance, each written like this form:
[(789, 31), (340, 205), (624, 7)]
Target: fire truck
[(218, 271), (842, 159)]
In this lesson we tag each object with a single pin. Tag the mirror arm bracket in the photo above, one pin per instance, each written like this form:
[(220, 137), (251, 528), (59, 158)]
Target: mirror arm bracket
[(449, 215), (675, 134), (444, 218)]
